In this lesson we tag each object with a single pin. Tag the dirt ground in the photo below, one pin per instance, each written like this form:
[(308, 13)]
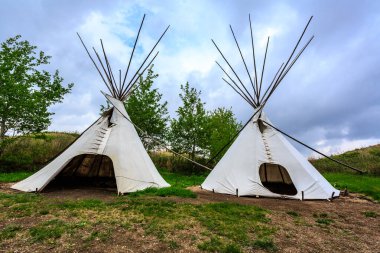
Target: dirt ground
[(294, 220), (350, 231)]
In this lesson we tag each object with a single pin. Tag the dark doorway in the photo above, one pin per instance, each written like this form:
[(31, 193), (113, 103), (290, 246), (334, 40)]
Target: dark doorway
[(87, 170), (276, 178)]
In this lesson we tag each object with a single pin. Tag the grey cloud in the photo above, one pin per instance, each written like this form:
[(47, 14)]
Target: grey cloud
[(331, 94)]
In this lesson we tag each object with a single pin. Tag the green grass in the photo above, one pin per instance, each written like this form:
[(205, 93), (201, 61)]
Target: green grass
[(51, 229), (80, 204), (365, 184), (31, 152), (9, 231), (265, 244), (215, 227), (370, 214), (181, 180), (220, 221), (91, 221), (368, 185), (294, 214), (14, 176), (215, 244), (323, 219), (178, 182), (103, 235), (165, 192), (366, 159)]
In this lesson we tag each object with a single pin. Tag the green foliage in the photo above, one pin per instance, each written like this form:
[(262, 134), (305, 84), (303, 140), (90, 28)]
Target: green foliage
[(232, 248), (173, 245), (178, 184), (81, 204), (323, 219), (216, 245), (88, 221), (47, 230), (44, 212), (31, 152), (213, 245), (26, 91), (181, 180), (9, 231), (368, 185), (294, 214), (367, 159), (146, 110), (164, 192), (370, 214), (265, 243), (199, 133), (101, 235), (189, 131), (14, 176), (224, 220), (222, 127)]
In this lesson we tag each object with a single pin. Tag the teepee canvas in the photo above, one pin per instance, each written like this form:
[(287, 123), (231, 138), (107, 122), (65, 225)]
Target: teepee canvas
[(261, 162), (110, 151)]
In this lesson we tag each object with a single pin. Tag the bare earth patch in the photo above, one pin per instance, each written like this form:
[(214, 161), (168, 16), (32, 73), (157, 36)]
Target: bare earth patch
[(350, 230), (300, 226)]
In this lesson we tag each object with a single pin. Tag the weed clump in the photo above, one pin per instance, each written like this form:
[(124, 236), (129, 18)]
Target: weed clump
[(370, 214), (9, 231)]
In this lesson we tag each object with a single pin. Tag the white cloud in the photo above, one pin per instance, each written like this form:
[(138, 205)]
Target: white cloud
[(333, 84)]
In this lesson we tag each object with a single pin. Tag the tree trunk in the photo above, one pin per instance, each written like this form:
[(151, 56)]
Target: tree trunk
[(2, 135), (193, 151)]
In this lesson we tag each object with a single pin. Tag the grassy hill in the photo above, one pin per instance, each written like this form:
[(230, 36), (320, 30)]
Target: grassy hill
[(367, 159), (31, 152)]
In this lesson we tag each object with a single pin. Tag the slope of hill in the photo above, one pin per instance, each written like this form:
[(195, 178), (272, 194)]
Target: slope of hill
[(30, 152), (366, 159)]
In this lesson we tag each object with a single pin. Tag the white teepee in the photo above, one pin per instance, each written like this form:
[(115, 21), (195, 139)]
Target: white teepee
[(110, 150), (266, 164), (113, 136), (261, 162)]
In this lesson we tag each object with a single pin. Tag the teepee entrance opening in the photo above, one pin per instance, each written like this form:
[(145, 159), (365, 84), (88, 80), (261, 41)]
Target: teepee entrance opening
[(86, 170), (276, 178)]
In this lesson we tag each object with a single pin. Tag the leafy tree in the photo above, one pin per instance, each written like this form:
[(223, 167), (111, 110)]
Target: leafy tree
[(147, 111), (26, 90), (221, 126), (188, 132)]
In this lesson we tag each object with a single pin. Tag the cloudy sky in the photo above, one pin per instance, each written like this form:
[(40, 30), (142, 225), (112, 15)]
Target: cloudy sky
[(330, 99)]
